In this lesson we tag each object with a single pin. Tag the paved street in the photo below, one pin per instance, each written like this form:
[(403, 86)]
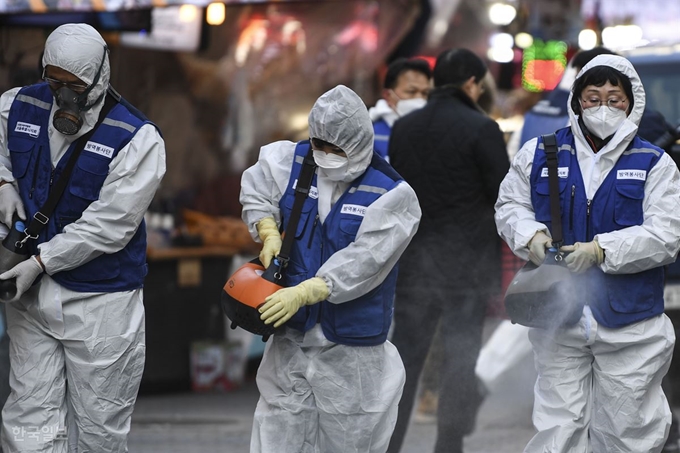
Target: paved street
[(221, 422), (211, 423)]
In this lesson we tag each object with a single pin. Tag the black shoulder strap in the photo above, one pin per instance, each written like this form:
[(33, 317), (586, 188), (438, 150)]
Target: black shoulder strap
[(302, 187), (550, 146), (42, 216)]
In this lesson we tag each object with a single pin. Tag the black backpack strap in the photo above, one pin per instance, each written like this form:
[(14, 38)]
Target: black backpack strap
[(302, 187), (550, 147)]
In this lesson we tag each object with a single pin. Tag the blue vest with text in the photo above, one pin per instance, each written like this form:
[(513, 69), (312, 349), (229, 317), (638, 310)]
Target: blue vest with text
[(381, 140), (360, 322), (616, 300), (29, 150)]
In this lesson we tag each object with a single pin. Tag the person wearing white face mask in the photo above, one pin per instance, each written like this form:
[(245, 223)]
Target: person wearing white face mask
[(334, 315), (509, 345), (603, 118), (599, 380), (332, 164), (407, 84)]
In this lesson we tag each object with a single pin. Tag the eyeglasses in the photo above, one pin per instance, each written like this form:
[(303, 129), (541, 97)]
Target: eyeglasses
[(612, 103), (56, 84)]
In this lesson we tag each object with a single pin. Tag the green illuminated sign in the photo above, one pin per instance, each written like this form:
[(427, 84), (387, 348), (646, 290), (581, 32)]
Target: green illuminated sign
[(543, 64)]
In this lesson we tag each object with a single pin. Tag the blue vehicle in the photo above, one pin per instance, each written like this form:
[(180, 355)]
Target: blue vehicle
[(659, 69)]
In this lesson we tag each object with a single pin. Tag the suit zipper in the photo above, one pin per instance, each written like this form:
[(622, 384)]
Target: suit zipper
[(320, 305), (589, 205), (35, 173), (571, 210), (311, 236)]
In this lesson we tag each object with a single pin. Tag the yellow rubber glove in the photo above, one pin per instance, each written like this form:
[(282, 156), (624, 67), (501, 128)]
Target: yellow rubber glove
[(582, 255), (283, 304), (537, 247), (271, 240)]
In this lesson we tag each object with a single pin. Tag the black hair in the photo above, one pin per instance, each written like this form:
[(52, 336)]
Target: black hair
[(40, 64), (583, 57), (401, 65), (455, 66), (318, 143), (598, 76), (487, 99)]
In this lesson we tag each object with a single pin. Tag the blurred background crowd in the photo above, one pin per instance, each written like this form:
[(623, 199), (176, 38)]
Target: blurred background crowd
[(222, 79)]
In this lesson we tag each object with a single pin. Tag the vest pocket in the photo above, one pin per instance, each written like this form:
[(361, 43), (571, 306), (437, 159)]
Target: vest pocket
[(634, 293), (541, 200), (350, 224), (360, 318), (20, 152), (304, 215), (88, 177), (628, 204), (86, 182)]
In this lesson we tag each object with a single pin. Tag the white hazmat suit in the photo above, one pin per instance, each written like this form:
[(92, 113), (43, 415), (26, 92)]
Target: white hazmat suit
[(599, 388), (316, 395), (95, 341)]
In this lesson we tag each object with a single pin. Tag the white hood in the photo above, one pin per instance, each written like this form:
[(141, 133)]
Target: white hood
[(79, 49), (340, 117), (628, 129)]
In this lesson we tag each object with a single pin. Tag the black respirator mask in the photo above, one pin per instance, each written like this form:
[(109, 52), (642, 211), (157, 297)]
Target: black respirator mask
[(67, 119)]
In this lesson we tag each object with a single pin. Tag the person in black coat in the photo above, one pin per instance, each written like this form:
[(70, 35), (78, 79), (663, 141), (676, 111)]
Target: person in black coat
[(454, 157)]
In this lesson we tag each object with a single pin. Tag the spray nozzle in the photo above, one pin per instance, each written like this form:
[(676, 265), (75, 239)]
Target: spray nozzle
[(553, 255)]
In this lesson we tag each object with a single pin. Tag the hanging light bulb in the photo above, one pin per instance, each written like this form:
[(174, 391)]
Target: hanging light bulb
[(187, 13), (502, 13), (587, 39), (215, 13), (523, 40)]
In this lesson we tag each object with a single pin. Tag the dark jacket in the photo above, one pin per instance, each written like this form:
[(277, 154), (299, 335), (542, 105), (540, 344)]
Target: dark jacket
[(454, 157)]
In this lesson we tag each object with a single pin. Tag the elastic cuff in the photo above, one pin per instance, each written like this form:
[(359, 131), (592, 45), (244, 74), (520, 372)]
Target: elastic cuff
[(39, 261), (600, 252), (329, 285)]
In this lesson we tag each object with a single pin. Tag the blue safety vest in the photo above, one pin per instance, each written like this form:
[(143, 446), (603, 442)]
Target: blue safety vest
[(615, 299), (360, 322), (381, 140), (29, 150)]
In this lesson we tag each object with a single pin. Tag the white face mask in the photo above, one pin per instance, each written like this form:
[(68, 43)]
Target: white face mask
[(603, 121), (406, 106), (332, 166)]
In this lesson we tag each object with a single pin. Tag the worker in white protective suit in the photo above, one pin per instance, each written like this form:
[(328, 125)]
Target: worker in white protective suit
[(76, 325), (599, 380), (329, 380)]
